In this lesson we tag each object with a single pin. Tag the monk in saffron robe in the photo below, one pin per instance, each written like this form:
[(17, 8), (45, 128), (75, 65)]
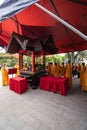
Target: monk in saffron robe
[(49, 68), (69, 73), (62, 70), (5, 77), (17, 67), (83, 68), (56, 70), (84, 85)]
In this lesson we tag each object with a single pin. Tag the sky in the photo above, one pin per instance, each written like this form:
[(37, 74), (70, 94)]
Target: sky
[(2, 50)]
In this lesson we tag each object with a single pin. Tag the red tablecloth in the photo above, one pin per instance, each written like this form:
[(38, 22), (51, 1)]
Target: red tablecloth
[(18, 84), (55, 84)]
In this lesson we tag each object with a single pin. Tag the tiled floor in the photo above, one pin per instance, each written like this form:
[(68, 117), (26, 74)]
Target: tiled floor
[(42, 110)]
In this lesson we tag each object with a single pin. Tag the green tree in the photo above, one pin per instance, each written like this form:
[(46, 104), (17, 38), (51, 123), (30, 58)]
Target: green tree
[(76, 56), (8, 60)]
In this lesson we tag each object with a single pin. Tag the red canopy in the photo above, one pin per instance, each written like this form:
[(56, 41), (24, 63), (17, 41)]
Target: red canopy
[(35, 23)]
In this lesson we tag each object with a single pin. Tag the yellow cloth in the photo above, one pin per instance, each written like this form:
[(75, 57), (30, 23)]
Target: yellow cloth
[(83, 68), (5, 77), (55, 70), (69, 74), (18, 73), (84, 84)]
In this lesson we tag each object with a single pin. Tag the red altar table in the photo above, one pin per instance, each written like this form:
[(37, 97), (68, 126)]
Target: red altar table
[(55, 84), (18, 85)]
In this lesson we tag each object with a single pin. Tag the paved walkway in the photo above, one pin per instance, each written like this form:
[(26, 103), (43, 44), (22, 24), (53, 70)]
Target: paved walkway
[(42, 110)]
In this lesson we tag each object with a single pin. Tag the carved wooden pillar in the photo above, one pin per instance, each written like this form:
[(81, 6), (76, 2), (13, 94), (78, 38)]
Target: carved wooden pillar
[(20, 60), (33, 62), (44, 61)]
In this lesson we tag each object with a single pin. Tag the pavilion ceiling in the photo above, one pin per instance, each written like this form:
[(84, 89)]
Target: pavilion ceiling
[(34, 23)]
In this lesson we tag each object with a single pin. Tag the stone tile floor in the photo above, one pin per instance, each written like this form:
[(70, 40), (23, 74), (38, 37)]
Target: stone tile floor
[(42, 110)]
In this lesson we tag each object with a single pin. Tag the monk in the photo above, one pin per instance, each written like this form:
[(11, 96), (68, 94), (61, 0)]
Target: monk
[(56, 70), (84, 85), (82, 70), (17, 67), (49, 68), (62, 70), (5, 77), (68, 73)]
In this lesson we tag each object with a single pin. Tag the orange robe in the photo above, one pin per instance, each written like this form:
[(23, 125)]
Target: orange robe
[(84, 84), (55, 70), (69, 74), (62, 70), (5, 77), (49, 68), (17, 67), (83, 68)]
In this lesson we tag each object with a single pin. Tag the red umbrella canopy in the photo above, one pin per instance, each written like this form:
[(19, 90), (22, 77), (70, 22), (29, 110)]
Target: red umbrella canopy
[(35, 23)]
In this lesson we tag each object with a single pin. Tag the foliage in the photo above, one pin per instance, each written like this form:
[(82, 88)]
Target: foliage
[(76, 57), (55, 58), (11, 60), (8, 60), (39, 59)]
